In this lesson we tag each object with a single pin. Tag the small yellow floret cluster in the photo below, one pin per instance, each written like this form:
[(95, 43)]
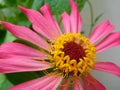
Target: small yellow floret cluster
[(64, 64)]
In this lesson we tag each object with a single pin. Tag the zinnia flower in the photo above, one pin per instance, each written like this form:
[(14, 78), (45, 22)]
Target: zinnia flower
[(69, 54)]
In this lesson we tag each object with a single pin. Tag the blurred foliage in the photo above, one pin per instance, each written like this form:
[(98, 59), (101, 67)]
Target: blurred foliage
[(4, 83), (21, 77), (25, 76), (9, 12), (58, 6), (2, 79)]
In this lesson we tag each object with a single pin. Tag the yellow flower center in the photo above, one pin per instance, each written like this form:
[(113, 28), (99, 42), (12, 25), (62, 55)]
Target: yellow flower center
[(72, 54)]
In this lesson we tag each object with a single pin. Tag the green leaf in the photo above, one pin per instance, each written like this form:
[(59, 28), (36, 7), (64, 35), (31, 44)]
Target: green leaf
[(17, 78), (2, 79), (57, 6), (9, 37), (37, 4), (81, 4), (2, 36), (20, 77), (4, 83), (7, 84)]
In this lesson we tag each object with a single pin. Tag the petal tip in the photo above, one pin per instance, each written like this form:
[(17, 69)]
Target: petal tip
[(45, 7), (4, 23), (22, 9)]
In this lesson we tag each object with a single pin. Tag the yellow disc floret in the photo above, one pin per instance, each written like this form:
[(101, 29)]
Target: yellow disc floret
[(72, 54)]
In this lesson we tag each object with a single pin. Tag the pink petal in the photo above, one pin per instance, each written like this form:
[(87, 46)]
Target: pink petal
[(111, 40), (48, 15), (72, 23), (66, 22), (40, 23), (77, 85), (48, 82), (26, 34), (108, 67), (91, 83), (65, 85), (101, 30), (18, 49), (75, 18), (20, 64)]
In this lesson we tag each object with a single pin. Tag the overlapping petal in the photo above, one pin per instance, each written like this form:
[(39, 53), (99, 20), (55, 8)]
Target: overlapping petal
[(26, 34), (66, 22), (41, 24), (75, 18), (48, 15), (108, 67), (113, 39), (91, 83), (65, 85), (101, 30), (21, 64), (77, 85), (72, 23), (48, 82), (17, 49)]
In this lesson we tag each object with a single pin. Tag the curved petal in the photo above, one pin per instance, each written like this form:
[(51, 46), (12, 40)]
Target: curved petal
[(40, 23), (108, 67), (66, 22), (26, 34), (75, 18), (72, 23), (48, 82), (65, 85), (48, 15), (77, 85), (20, 64), (91, 83), (101, 30), (17, 49), (111, 40)]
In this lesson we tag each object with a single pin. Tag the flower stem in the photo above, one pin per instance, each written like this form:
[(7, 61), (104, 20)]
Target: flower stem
[(92, 16)]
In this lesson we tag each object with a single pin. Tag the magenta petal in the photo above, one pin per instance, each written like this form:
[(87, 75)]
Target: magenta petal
[(48, 15), (66, 22), (26, 34), (91, 83), (17, 49), (48, 82), (72, 23), (77, 85), (75, 18), (20, 64), (108, 67), (101, 30), (40, 23), (65, 85), (111, 40)]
